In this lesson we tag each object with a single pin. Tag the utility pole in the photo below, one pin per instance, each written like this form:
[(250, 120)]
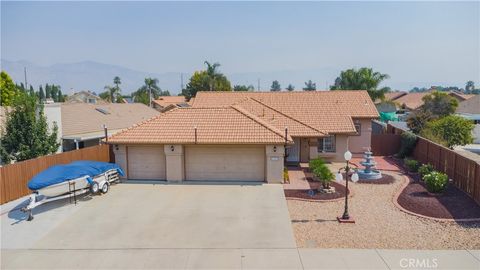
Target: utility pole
[(25, 73), (258, 84), (181, 81)]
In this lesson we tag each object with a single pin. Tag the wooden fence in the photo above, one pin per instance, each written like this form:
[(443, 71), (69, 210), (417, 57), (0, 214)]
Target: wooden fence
[(14, 177), (385, 144), (465, 172)]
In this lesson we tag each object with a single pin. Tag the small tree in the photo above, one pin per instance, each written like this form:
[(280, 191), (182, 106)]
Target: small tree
[(439, 104), (8, 89), (26, 134), (290, 87), (310, 86), (275, 86), (455, 130), (243, 88)]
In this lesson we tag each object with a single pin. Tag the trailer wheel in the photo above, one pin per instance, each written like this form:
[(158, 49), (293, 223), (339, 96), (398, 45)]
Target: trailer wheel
[(94, 187), (105, 188)]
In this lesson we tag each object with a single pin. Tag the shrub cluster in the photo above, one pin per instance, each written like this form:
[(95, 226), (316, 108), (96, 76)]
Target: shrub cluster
[(407, 144), (322, 172), (425, 169), (436, 181), (411, 164)]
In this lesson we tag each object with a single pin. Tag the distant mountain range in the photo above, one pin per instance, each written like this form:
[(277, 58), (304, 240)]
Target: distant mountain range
[(93, 76)]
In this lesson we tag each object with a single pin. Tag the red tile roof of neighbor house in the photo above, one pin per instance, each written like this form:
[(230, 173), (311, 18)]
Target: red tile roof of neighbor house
[(394, 95), (229, 125), (169, 100), (412, 101), (470, 106), (324, 111)]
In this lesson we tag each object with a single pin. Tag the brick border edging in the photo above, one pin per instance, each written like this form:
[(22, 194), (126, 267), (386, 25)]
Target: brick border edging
[(350, 194), (399, 191)]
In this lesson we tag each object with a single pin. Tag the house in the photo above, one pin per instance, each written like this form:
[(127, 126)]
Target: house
[(388, 103), (470, 109), (165, 103), (85, 97), (245, 136), (82, 124)]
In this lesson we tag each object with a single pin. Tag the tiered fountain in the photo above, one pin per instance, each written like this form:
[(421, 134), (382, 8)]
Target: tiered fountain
[(369, 173)]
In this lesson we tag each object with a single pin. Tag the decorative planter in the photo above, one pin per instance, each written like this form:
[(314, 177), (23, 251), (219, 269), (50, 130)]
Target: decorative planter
[(326, 190)]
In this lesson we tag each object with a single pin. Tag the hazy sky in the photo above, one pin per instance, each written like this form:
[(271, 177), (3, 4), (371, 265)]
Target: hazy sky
[(413, 41)]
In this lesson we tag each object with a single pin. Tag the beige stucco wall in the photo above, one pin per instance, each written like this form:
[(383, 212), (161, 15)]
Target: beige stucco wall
[(274, 163), (174, 158), (359, 144), (121, 158), (175, 161), (341, 146)]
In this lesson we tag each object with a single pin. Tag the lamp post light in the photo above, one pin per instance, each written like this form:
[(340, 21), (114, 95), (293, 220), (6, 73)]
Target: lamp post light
[(346, 218)]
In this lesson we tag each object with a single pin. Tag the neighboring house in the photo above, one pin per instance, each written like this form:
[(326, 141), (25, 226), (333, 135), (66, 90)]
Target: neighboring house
[(85, 97), (81, 125), (243, 136), (388, 104), (166, 103), (470, 109)]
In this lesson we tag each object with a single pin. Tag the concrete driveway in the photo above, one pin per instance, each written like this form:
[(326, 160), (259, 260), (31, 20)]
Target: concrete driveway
[(163, 216)]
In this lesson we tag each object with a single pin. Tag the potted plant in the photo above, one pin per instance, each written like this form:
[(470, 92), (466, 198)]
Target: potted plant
[(325, 176)]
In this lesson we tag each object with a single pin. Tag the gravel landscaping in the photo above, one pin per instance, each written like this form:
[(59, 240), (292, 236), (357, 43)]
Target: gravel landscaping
[(379, 223), (452, 204)]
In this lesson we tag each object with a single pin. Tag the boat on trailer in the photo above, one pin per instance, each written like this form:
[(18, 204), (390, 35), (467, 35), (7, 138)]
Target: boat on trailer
[(70, 180)]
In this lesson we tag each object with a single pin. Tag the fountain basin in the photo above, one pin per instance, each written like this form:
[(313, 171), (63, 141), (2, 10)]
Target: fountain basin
[(369, 175)]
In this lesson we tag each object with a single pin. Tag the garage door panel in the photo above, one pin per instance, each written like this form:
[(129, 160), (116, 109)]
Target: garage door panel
[(146, 163), (225, 163)]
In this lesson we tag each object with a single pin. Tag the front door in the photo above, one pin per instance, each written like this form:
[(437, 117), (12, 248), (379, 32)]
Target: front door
[(294, 151), (304, 150)]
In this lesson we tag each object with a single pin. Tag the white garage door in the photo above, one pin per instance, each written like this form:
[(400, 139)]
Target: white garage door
[(146, 162), (225, 163)]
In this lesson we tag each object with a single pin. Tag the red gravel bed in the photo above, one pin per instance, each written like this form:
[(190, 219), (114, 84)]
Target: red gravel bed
[(452, 204), (385, 180), (314, 185)]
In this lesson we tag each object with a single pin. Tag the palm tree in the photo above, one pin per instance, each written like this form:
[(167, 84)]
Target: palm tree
[(212, 74), (113, 92), (117, 82), (362, 79)]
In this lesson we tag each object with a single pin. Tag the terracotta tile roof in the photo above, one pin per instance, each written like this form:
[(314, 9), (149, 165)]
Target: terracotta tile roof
[(82, 118), (460, 96), (470, 106), (228, 125), (394, 95), (326, 111), (412, 101), (278, 119), (168, 100)]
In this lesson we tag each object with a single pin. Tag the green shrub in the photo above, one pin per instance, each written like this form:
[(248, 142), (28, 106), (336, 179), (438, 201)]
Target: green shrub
[(314, 163), (436, 181), (411, 164), (425, 169), (323, 173), (407, 144)]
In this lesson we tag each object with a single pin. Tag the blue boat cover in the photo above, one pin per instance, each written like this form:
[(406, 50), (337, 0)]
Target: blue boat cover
[(61, 173)]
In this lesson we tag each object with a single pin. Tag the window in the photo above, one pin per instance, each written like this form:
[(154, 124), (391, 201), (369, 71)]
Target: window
[(326, 144), (358, 127)]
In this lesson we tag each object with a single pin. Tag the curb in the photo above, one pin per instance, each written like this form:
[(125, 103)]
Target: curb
[(407, 181)]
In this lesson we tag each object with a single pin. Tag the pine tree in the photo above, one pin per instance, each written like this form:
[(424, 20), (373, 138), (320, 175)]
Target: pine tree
[(32, 91), (48, 91), (26, 134), (41, 94)]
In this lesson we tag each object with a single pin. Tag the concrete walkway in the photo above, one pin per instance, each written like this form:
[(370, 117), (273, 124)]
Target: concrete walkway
[(240, 259)]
